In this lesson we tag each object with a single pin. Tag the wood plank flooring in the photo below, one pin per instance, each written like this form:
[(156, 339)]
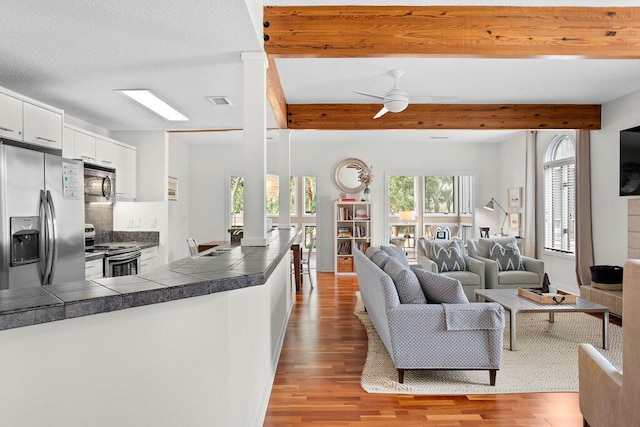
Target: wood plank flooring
[(318, 378)]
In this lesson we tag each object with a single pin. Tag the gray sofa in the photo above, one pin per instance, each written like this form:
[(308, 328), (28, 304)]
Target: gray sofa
[(423, 336)]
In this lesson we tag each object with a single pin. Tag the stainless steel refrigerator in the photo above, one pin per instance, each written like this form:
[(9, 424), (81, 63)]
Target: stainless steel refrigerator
[(41, 218)]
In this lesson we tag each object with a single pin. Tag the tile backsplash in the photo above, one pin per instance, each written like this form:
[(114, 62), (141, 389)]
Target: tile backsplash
[(101, 216)]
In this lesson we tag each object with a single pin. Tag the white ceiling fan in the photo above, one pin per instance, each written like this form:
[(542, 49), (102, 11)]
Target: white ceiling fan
[(397, 100)]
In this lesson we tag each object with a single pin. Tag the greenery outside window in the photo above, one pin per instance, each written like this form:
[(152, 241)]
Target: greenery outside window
[(401, 194), (439, 195), (273, 195), (309, 195), (560, 195)]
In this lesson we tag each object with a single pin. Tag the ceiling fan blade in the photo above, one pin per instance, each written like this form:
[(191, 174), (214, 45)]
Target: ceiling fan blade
[(381, 113), (370, 94)]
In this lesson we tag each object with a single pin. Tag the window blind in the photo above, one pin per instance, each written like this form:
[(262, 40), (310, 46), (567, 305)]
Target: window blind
[(560, 205)]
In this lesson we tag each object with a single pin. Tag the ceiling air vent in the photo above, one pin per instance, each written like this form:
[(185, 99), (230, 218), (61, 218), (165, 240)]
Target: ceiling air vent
[(219, 100)]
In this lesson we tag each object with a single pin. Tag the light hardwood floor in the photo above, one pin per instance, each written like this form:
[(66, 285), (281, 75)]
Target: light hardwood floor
[(318, 378)]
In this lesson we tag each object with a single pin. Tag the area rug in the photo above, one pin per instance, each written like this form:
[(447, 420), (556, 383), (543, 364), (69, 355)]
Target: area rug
[(546, 359)]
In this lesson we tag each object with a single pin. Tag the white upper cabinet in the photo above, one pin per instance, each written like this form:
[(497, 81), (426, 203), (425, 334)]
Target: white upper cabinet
[(104, 153), (84, 147), (42, 126), (29, 121), (126, 172), (68, 142), (10, 117)]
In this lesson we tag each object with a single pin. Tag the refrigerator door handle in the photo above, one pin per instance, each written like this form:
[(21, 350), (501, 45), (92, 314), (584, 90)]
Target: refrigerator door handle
[(44, 225), (53, 256)]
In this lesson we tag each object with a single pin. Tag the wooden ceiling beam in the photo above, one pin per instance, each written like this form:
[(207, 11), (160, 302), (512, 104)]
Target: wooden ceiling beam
[(275, 94), (465, 31), (445, 116)]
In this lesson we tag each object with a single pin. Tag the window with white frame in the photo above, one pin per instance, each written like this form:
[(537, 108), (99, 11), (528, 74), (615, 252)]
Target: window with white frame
[(560, 195), (439, 194)]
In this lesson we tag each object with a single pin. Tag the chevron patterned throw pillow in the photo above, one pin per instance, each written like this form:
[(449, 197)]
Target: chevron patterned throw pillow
[(448, 257), (508, 257)]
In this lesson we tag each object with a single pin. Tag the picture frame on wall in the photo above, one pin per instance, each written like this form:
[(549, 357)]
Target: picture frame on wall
[(514, 220), (514, 197), (173, 188)]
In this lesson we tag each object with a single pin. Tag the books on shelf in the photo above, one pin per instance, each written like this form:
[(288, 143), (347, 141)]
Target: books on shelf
[(344, 248), (344, 214), (347, 199), (344, 232), (362, 246), (360, 231)]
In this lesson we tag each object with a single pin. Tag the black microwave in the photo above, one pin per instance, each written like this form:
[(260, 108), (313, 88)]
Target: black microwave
[(99, 184)]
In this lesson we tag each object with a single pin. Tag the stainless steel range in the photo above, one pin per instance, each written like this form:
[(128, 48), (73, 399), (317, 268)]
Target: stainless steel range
[(120, 259)]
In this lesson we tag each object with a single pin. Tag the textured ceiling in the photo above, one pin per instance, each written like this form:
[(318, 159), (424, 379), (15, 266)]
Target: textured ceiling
[(73, 54)]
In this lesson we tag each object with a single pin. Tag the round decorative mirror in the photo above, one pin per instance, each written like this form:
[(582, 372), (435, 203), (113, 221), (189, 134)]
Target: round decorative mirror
[(347, 175)]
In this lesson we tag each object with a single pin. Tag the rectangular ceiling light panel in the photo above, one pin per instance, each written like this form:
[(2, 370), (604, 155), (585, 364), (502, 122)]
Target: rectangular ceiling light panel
[(153, 103)]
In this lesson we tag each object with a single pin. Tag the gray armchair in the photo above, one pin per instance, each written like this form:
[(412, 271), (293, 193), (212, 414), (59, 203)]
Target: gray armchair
[(472, 277), (494, 278)]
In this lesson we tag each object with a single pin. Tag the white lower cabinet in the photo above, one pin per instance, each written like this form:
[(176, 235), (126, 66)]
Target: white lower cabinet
[(94, 269), (148, 259)]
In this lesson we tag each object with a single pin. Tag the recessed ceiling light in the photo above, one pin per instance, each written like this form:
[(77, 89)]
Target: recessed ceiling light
[(153, 103), (219, 100)]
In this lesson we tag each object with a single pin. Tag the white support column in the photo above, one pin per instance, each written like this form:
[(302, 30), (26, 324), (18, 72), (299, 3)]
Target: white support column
[(284, 171), (255, 149)]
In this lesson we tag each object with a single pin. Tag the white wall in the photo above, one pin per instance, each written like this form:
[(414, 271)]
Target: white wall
[(210, 165), (609, 210), (512, 155), (203, 361), (178, 210)]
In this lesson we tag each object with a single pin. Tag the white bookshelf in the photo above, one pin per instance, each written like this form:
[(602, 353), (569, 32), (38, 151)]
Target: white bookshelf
[(352, 229)]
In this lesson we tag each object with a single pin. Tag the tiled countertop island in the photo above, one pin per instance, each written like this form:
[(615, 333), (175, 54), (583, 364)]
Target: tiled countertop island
[(236, 268), (195, 343)]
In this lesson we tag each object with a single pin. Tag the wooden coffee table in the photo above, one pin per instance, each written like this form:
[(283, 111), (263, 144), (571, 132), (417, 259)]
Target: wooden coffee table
[(512, 302)]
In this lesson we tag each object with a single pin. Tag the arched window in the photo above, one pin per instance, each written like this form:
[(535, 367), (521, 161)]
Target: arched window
[(560, 195)]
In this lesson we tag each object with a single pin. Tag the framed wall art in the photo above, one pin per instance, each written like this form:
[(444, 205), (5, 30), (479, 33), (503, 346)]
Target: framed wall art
[(514, 220), (514, 197)]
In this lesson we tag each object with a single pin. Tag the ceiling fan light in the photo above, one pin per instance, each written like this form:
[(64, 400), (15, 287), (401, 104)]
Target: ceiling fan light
[(396, 106)]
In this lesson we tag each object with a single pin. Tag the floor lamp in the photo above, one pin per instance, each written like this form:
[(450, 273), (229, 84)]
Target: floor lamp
[(490, 206)]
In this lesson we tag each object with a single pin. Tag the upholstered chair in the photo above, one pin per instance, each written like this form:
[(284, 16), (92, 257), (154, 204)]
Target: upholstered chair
[(448, 257), (607, 397), (504, 266)]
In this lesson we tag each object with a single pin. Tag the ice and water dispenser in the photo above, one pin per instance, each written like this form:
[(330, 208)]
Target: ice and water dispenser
[(25, 240)]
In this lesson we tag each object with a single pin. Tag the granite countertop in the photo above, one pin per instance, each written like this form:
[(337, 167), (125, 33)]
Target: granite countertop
[(211, 271)]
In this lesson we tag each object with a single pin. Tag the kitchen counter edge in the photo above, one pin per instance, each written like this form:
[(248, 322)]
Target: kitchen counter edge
[(235, 268)]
